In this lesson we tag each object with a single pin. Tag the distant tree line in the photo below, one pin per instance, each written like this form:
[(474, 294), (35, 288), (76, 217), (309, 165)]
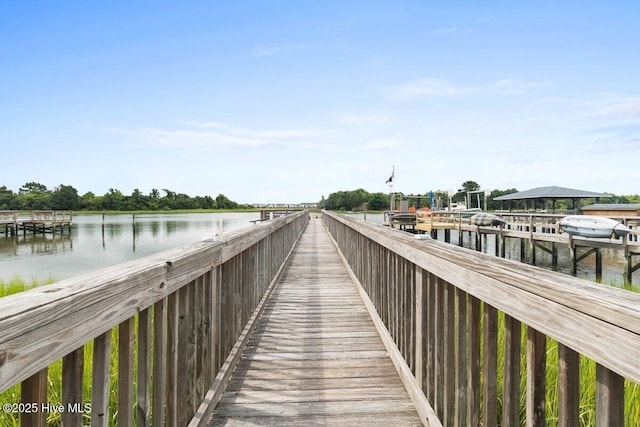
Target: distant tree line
[(34, 195), (360, 199)]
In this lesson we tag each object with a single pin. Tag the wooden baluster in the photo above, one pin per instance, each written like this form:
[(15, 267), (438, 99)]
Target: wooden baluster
[(34, 393), (101, 380), (125, 372), (536, 377), (72, 377), (609, 398)]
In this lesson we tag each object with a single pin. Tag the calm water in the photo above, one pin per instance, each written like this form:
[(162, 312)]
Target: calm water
[(613, 263), (92, 246)]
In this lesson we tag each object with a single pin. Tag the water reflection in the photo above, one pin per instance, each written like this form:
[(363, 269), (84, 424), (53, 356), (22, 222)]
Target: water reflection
[(97, 241)]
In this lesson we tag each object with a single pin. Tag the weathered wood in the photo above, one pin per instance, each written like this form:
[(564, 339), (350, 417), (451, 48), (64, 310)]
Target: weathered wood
[(125, 372), (41, 326), (72, 311), (536, 378), (33, 393), (461, 360), (609, 397), (72, 380), (599, 322), (143, 390), (317, 355), (568, 387), (171, 388), (160, 351), (449, 377), (100, 380), (490, 367), (420, 328), (473, 366), (511, 391)]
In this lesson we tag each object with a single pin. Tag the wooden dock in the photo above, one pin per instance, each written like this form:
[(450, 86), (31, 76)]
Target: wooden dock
[(9, 221), (40, 221), (271, 326), (316, 357)]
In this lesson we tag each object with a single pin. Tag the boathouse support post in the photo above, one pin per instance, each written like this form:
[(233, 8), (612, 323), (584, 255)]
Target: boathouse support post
[(532, 243), (598, 264), (572, 256)]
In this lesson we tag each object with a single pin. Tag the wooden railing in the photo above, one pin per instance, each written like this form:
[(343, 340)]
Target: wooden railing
[(172, 319), (448, 308)]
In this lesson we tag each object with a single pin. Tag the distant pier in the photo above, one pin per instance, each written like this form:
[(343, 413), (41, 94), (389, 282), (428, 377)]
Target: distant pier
[(39, 222)]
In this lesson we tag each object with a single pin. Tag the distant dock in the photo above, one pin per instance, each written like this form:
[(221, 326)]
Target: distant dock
[(269, 214), (40, 222)]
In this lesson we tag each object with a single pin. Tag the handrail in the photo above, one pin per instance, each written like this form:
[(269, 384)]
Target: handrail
[(431, 296), (190, 305)]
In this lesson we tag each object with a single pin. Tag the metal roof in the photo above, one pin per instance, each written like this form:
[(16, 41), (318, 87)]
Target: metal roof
[(552, 192), (612, 206)]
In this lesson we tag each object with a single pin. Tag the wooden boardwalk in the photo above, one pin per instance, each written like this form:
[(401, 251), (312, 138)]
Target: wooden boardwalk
[(315, 357)]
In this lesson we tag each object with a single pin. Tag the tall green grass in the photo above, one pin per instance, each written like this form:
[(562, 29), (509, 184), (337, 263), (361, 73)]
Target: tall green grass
[(17, 284), (54, 381), (587, 404)]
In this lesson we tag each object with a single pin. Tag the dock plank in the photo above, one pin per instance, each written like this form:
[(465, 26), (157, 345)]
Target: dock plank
[(315, 357)]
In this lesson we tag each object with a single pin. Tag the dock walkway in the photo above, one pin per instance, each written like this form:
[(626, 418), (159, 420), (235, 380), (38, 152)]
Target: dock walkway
[(315, 357)]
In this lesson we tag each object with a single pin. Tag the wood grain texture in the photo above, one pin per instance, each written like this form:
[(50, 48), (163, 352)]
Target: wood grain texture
[(315, 356), (600, 322)]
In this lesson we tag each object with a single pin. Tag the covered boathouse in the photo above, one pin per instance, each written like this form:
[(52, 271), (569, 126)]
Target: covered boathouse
[(535, 197)]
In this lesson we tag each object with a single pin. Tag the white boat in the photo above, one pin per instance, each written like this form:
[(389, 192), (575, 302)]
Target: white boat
[(592, 226)]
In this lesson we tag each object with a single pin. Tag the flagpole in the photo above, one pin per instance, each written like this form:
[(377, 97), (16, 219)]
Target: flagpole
[(392, 198)]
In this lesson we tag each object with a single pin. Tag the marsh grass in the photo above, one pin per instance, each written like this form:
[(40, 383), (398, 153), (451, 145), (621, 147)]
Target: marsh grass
[(587, 378), (18, 284), (587, 404), (54, 377)]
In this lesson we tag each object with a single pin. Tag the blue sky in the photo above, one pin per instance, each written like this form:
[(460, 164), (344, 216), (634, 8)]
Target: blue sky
[(287, 101)]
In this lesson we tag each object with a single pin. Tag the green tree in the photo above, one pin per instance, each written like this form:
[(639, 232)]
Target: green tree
[(378, 201), (65, 197), (222, 202), (32, 187), (33, 195), (113, 200), (7, 198), (493, 205), (138, 201), (90, 201), (467, 186)]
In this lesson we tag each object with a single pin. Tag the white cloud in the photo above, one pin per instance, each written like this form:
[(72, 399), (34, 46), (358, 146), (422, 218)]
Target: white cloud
[(451, 30), (260, 134), (276, 48), (198, 134), (627, 107), (433, 87)]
